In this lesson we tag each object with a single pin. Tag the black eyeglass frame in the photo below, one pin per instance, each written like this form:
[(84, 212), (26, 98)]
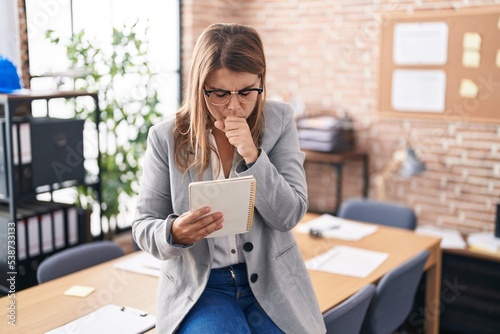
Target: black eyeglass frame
[(259, 91)]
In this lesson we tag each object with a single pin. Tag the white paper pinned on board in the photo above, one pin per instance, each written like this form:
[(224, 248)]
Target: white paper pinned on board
[(420, 43), (419, 90)]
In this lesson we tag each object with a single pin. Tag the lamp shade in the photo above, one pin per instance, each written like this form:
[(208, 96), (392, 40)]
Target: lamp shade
[(412, 165)]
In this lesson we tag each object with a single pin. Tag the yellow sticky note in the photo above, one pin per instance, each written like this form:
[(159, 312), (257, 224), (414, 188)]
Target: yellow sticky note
[(498, 58), (79, 291), (471, 58), (472, 41), (468, 89)]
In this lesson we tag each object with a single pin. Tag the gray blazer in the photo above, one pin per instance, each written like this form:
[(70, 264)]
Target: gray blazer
[(276, 270)]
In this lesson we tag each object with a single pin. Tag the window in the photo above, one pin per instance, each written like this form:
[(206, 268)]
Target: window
[(50, 68), (48, 62)]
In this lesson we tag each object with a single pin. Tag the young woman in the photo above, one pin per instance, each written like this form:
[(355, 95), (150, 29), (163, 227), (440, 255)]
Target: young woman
[(254, 282)]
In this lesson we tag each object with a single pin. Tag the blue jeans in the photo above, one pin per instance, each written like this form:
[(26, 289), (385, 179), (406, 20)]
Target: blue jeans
[(227, 306)]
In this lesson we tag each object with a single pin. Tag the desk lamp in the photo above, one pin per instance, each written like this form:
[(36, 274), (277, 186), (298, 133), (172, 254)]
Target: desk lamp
[(409, 164)]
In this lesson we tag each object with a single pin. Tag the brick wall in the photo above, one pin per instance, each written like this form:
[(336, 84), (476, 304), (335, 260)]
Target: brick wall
[(23, 30), (326, 54)]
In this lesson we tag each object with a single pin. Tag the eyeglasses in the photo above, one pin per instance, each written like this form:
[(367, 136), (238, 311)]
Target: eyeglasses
[(220, 97)]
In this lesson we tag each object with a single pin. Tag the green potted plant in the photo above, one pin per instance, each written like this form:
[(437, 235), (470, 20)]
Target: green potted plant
[(128, 100)]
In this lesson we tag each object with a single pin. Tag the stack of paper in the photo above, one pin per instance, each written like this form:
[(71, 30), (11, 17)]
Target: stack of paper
[(334, 227), (349, 261), (485, 242), (450, 238)]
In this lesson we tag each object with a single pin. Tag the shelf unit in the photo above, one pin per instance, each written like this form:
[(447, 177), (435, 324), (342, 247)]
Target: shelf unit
[(19, 261), (337, 161)]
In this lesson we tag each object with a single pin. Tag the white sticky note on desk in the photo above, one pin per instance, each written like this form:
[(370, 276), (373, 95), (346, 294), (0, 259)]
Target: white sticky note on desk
[(79, 291)]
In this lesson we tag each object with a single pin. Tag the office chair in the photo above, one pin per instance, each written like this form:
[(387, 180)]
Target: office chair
[(394, 297), (4, 291), (348, 316), (383, 213), (77, 258)]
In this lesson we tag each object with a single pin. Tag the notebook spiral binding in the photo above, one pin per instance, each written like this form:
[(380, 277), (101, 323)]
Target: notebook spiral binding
[(251, 206)]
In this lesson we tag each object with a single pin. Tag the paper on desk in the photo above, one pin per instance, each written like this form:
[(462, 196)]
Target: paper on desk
[(450, 238), (109, 319), (484, 241), (335, 227), (348, 261), (141, 263)]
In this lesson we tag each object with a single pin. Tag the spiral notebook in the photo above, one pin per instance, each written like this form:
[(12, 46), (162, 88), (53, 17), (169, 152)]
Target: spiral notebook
[(234, 197)]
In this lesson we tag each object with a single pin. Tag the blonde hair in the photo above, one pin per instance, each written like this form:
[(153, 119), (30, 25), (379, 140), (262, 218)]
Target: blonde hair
[(237, 48)]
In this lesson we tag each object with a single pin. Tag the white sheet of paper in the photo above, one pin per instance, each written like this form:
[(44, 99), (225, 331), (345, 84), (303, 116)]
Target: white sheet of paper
[(420, 43), (109, 319), (484, 241), (140, 263), (450, 238), (348, 261), (337, 228), (419, 90)]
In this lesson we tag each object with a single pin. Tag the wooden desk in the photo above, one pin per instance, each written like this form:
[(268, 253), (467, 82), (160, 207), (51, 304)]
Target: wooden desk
[(337, 160), (401, 245), (44, 307)]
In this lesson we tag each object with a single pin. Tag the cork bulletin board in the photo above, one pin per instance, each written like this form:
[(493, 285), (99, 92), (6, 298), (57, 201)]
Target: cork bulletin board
[(442, 65)]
